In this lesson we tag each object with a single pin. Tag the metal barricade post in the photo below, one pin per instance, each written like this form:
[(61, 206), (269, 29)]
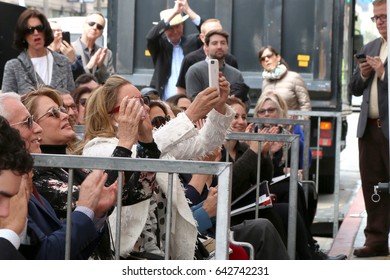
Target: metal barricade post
[(293, 194), (306, 142), (338, 116)]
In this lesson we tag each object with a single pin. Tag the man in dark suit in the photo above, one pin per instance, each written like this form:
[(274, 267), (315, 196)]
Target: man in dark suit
[(370, 79), (167, 46), (46, 233), (15, 165)]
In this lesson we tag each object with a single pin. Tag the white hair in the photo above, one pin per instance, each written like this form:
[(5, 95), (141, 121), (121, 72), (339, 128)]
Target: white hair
[(4, 96)]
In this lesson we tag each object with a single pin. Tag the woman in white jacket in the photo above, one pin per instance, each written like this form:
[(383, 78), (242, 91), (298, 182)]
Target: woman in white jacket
[(178, 139)]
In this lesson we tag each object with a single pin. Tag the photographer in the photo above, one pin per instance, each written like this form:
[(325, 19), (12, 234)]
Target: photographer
[(62, 46)]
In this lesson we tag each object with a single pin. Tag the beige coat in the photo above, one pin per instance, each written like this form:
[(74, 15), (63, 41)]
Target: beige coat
[(292, 89)]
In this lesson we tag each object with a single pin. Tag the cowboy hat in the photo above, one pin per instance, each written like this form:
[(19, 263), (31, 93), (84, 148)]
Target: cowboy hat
[(175, 20)]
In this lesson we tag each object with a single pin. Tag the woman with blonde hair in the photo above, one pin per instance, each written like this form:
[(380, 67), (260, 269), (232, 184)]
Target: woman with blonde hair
[(46, 105), (105, 121)]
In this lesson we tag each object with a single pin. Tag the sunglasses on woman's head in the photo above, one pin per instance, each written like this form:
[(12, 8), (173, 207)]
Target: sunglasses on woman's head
[(31, 30), (29, 122), (54, 112), (145, 100)]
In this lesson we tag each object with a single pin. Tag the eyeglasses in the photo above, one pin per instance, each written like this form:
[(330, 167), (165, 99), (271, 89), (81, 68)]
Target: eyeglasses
[(73, 107), (98, 25), (83, 101), (29, 122), (382, 18), (31, 30), (160, 120), (262, 112), (54, 112), (262, 58), (145, 100)]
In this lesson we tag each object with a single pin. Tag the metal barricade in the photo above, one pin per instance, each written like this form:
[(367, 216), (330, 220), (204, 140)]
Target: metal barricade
[(221, 169), (306, 143), (338, 116), (293, 194)]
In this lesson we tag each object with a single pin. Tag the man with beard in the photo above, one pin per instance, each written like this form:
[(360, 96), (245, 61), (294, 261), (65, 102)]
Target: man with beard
[(216, 47)]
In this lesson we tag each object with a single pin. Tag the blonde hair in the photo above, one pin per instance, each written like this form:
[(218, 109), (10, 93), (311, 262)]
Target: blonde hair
[(30, 102), (97, 112), (281, 105), (30, 99)]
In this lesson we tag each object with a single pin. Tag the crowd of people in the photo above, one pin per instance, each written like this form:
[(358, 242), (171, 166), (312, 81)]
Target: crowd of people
[(53, 85)]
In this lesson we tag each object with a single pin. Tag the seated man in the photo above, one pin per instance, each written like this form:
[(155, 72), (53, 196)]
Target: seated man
[(15, 165)]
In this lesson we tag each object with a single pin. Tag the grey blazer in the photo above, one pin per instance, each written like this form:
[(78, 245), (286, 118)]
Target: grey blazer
[(359, 87), (103, 72), (19, 74)]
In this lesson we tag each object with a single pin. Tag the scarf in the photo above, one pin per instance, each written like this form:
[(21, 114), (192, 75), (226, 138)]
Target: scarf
[(276, 73)]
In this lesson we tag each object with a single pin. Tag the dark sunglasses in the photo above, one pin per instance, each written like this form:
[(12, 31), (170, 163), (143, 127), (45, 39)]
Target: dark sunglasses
[(29, 122), (262, 58), (83, 101), (98, 25), (31, 30), (145, 100), (160, 120), (54, 112)]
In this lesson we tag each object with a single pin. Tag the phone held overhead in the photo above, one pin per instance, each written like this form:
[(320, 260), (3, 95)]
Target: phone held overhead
[(213, 65)]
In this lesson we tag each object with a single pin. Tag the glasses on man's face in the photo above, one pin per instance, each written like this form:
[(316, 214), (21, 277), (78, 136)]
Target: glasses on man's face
[(98, 25), (160, 121), (83, 101), (73, 107), (31, 30), (29, 122), (54, 112), (262, 112), (262, 58), (145, 100), (382, 18)]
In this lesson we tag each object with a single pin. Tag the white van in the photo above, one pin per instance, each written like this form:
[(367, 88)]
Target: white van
[(75, 26)]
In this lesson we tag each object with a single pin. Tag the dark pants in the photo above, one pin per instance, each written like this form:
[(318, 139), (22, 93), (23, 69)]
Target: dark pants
[(374, 168), (264, 238)]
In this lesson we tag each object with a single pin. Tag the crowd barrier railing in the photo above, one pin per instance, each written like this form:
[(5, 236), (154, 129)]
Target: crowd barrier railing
[(338, 116), (221, 169), (305, 123), (293, 194)]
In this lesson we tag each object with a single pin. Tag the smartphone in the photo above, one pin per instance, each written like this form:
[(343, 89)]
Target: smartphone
[(66, 36), (361, 57), (214, 73)]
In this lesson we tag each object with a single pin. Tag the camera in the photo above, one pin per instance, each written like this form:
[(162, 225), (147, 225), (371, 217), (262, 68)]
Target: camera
[(261, 126)]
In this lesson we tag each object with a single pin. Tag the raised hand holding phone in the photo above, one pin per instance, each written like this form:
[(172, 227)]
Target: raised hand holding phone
[(213, 66)]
